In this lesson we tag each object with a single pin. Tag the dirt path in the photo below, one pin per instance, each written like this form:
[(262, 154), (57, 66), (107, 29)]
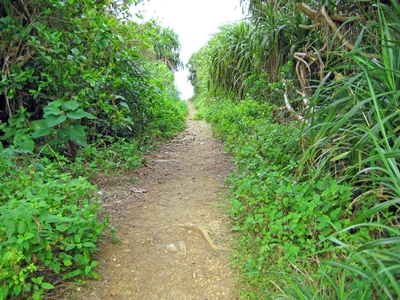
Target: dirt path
[(158, 259)]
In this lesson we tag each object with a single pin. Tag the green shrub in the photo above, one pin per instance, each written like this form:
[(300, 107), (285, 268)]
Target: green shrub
[(284, 220), (103, 74), (48, 220)]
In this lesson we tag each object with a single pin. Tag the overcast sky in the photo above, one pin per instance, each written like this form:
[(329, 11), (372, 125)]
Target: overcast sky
[(194, 21)]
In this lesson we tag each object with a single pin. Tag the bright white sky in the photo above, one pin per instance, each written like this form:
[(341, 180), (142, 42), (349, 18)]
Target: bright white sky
[(194, 21)]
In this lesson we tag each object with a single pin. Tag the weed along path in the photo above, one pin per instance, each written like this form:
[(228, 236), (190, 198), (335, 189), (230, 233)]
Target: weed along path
[(169, 219)]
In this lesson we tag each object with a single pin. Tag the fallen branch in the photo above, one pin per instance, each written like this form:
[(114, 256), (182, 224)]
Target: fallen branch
[(205, 235)]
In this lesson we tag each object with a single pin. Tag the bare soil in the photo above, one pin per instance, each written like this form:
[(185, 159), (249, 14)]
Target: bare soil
[(158, 210)]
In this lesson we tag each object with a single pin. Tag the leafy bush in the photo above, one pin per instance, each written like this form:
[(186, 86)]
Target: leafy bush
[(87, 89), (279, 217), (65, 85), (48, 221)]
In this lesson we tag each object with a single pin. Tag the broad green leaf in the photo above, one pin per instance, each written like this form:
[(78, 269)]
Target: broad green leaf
[(77, 238), (67, 262), (78, 135), (70, 105), (40, 128), (61, 227), (52, 121), (316, 197), (3, 291), (81, 258), (92, 82), (95, 275), (24, 142), (79, 114), (70, 247), (63, 134), (37, 124), (29, 235), (49, 254), (47, 286), (75, 51), (94, 263), (52, 110), (335, 213), (17, 289), (88, 269), (38, 279), (72, 274), (89, 245), (56, 103), (56, 266), (46, 217), (10, 228), (11, 94), (41, 132), (8, 130)]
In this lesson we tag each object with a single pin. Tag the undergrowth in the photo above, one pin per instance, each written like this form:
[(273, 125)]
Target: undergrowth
[(50, 220), (78, 101), (288, 224), (315, 194)]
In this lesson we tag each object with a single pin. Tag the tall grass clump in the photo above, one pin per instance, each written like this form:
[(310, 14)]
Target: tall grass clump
[(354, 134)]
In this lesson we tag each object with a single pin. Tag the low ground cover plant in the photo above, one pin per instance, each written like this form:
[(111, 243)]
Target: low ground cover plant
[(315, 193), (48, 224)]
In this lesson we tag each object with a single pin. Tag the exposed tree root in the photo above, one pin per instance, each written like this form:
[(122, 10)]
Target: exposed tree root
[(345, 42), (323, 19), (308, 62), (205, 235), (289, 106)]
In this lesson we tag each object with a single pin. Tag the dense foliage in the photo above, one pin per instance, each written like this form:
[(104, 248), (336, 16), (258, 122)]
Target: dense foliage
[(83, 88), (306, 96), (48, 221)]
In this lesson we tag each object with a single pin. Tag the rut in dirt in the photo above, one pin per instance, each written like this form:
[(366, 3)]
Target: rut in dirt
[(163, 254)]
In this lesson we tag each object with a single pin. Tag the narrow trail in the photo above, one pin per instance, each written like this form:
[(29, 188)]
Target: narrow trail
[(163, 253)]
